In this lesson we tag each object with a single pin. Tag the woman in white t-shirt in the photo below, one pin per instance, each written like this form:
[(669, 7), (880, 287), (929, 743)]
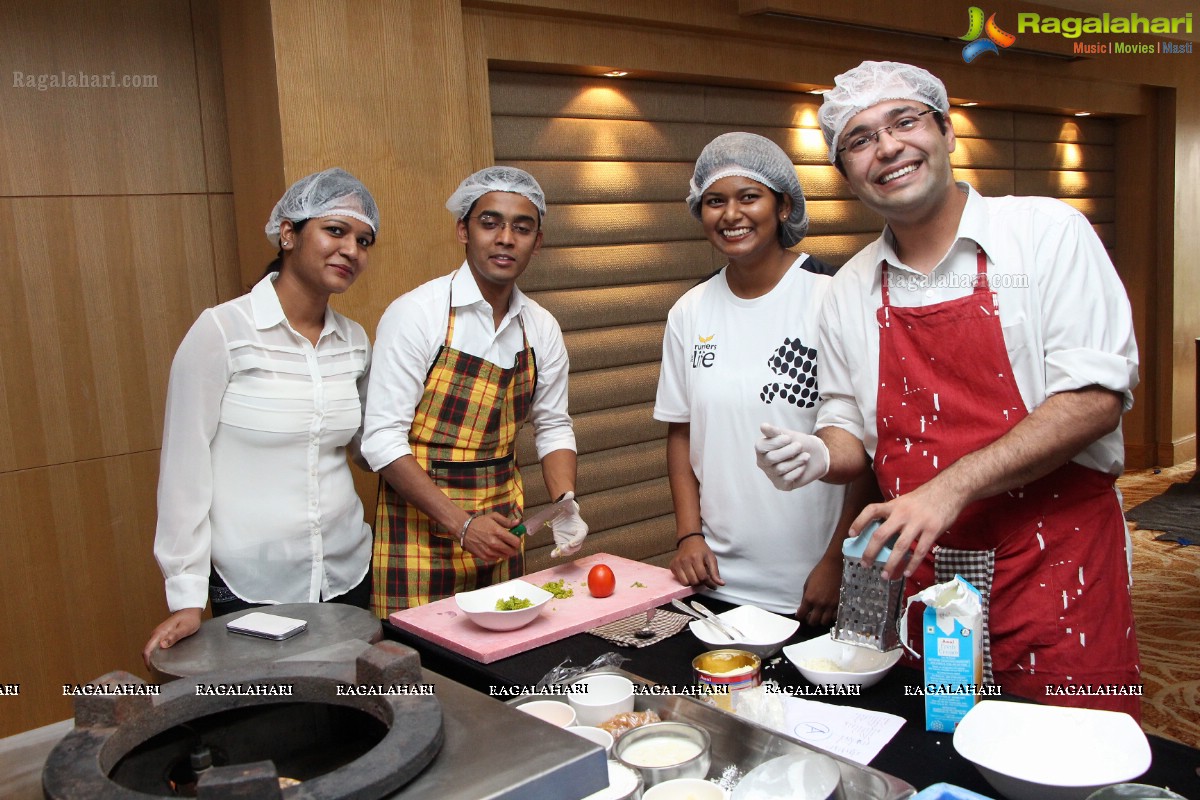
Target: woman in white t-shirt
[(740, 350), (256, 502)]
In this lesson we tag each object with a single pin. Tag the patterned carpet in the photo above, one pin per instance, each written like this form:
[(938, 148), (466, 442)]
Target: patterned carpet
[(1166, 607)]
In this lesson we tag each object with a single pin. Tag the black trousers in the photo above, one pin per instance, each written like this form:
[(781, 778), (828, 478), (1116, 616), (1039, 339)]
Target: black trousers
[(224, 601)]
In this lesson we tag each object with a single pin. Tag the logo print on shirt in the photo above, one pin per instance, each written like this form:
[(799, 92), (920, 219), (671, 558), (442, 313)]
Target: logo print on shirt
[(798, 362), (704, 353)]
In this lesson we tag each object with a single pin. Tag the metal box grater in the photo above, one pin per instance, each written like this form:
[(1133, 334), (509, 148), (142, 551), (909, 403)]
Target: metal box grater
[(869, 607)]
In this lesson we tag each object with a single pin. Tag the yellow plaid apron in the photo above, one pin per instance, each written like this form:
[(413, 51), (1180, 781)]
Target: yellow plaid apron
[(463, 435)]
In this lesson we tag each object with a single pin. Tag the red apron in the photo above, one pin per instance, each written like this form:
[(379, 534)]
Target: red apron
[(1049, 558)]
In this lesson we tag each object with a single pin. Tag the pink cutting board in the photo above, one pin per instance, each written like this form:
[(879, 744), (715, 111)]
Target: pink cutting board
[(442, 621)]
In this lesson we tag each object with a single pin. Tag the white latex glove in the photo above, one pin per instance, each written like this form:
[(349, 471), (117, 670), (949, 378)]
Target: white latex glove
[(791, 459), (569, 531)]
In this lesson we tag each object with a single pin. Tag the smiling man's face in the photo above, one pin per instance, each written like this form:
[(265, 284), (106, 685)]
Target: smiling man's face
[(500, 255), (905, 177)]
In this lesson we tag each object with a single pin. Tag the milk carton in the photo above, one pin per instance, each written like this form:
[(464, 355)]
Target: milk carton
[(953, 639)]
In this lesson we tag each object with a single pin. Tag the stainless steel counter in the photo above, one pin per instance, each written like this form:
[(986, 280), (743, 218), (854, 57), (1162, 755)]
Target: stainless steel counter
[(494, 752)]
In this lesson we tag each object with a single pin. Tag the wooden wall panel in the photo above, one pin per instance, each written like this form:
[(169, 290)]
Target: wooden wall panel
[(617, 305), (608, 265), (226, 271), (533, 95), (608, 181), (103, 290), (611, 388), (982, 123), (1063, 183), (609, 347), (606, 469), (79, 579), (1064, 156), (1057, 128), (120, 232), (211, 82), (618, 223), (93, 141)]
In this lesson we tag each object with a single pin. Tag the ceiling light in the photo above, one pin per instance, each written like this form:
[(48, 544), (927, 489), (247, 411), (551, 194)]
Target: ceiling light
[(1083, 113), (615, 73)]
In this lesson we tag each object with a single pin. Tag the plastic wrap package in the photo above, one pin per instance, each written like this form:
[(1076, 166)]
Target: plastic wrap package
[(621, 724), (564, 672)]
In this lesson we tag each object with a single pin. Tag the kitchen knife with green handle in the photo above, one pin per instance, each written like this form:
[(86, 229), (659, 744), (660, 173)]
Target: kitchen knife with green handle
[(532, 525)]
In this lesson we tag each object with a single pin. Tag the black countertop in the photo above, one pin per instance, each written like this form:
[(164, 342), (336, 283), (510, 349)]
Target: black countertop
[(915, 755)]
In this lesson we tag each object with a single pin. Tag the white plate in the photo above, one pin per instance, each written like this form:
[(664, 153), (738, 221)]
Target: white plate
[(1051, 752), (765, 632), (480, 605)]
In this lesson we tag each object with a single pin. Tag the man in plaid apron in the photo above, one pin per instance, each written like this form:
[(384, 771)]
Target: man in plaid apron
[(981, 353), (461, 363)]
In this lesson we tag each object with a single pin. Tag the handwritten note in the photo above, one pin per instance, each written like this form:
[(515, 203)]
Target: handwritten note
[(853, 733)]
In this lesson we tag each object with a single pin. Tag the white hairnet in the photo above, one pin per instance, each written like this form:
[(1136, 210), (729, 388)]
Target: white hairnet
[(749, 155), (874, 82), (496, 179), (333, 192)]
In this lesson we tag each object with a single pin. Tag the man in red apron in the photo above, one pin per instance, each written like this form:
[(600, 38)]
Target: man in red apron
[(979, 354), (460, 363)]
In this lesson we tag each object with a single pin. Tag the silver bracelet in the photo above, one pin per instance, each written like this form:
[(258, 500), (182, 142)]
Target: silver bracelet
[(462, 532)]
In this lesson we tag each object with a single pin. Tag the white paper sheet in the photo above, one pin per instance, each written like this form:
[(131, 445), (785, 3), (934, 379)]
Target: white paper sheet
[(853, 733)]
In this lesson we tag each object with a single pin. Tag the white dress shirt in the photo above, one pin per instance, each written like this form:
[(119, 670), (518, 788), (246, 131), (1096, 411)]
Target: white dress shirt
[(406, 344), (1064, 313), (253, 477)]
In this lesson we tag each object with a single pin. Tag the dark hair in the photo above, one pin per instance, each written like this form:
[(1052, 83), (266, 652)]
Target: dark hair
[(937, 115), (277, 264)]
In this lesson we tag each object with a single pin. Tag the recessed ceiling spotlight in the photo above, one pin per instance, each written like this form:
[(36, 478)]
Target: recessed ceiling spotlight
[(819, 91), (1083, 113), (968, 105), (616, 73)]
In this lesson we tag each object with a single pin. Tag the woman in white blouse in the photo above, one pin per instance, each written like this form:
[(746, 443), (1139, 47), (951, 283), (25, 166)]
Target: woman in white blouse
[(256, 503)]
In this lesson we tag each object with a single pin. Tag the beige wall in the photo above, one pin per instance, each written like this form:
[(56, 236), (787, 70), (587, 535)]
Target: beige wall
[(124, 211), (116, 230)]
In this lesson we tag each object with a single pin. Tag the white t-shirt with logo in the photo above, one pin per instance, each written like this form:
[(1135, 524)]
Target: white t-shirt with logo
[(728, 366)]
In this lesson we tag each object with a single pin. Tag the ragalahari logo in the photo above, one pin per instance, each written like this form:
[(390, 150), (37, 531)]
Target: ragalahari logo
[(995, 36)]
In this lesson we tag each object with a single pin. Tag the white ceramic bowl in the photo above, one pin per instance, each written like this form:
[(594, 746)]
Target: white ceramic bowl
[(685, 789), (480, 605), (764, 631), (592, 734), (1035, 752), (624, 783), (862, 666), (600, 698), (551, 711)]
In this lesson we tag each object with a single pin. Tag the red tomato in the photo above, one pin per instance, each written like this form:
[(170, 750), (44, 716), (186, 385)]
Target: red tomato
[(601, 581)]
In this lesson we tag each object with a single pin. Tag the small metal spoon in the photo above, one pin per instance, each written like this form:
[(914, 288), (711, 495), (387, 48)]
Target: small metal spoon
[(646, 632)]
